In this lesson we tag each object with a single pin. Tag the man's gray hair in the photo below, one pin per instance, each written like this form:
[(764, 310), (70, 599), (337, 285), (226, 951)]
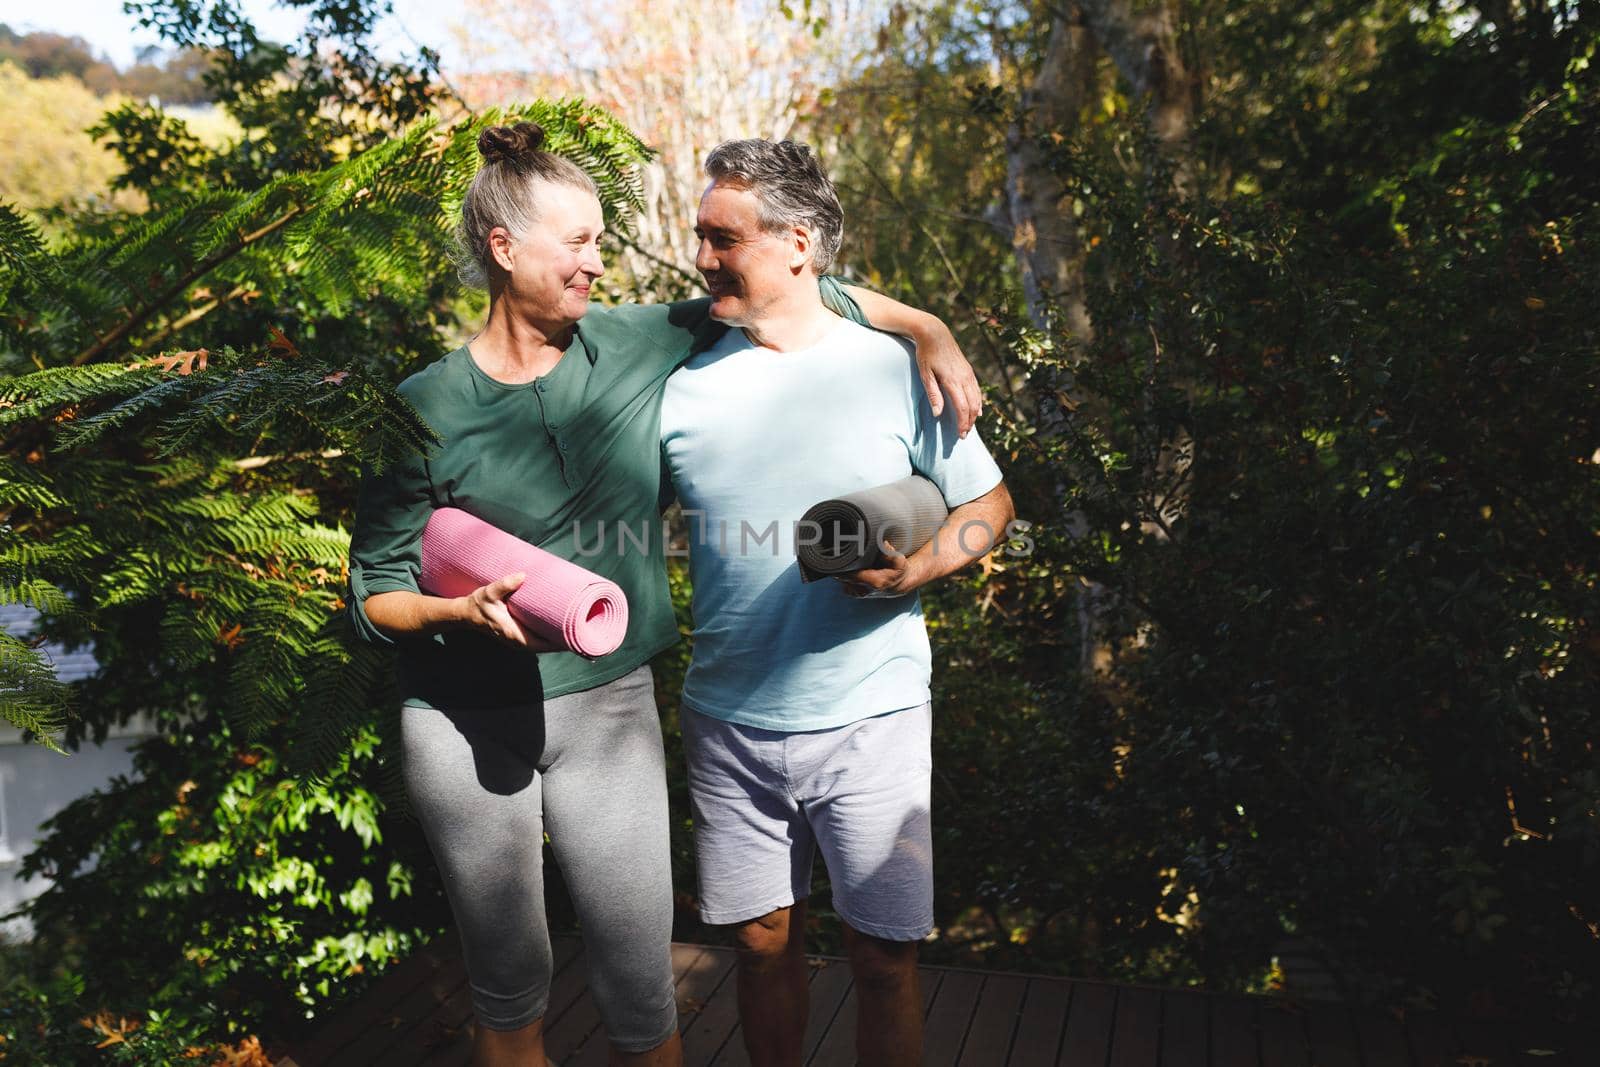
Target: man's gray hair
[(791, 187)]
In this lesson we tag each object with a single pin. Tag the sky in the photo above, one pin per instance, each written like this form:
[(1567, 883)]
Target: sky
[(118, 36)]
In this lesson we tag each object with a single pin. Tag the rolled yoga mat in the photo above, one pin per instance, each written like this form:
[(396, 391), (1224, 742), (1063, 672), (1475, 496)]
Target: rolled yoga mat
[(843, 534), (561, 605)]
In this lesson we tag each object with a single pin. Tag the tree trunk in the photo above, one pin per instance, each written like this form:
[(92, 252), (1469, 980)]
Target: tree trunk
[(1141, 37), (1044, 230)]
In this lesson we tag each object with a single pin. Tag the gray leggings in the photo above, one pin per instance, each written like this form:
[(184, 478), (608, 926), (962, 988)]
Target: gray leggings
[(588, 767)]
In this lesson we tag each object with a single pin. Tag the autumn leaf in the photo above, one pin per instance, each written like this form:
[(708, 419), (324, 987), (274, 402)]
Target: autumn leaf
[(114, 1029), (281, 345), (230, 636), (185, 363), (337, 377)]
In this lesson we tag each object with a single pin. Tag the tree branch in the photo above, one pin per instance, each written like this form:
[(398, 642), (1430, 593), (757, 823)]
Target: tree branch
[(143, 314)]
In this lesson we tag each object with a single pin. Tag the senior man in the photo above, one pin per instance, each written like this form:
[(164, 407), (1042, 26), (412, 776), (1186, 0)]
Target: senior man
[(806, 717)]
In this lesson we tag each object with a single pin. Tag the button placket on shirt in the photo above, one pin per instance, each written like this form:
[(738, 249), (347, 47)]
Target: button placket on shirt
[(552, 429)]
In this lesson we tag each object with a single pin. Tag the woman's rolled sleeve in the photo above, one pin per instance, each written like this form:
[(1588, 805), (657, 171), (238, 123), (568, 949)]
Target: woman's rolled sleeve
[(386, 547), (831, 288)]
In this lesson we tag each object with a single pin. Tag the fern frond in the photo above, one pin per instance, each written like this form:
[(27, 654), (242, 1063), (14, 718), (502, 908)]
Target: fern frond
[(31, 697), (22, 251), (341, 675), (21, 558), (22, 486), (278, 629), (42, 596), (47, 393)]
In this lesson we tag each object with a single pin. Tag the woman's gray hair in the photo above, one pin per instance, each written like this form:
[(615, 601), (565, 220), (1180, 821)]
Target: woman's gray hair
[(791, 187), (504, 193)]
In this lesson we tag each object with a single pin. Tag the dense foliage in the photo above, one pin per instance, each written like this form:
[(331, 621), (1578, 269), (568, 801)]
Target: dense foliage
[(1329, 459), (1302, 640)]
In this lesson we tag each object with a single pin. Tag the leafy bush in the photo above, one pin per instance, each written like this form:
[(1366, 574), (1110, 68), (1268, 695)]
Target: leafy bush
[(248, 898), (1341, 501)]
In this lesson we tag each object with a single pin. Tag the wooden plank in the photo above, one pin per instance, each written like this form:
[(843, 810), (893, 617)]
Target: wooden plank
[(1556, 1045), (447, 1038), (716, 1023), (1484, 1044), (1235, 1036), (1433, 1041), (838, 1044), (733, 1052), (594, 1052), (575, 1026), (929, 980), (458, 1055), (1044, 1016), (1087, 1039), (438, 1037), (829, 986), (698, 978), (1136, 1032), (350, 1022), (1283, 1035), (1183, 1029), (400, 1020), (1332, 1035), (572, 1017), (1382, 1038), (949, 1016), (569, 984), (994, 1021)]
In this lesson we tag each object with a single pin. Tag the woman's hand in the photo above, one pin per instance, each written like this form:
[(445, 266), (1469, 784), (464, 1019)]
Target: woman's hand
[(940, 363), (485, 609), (945, 371)]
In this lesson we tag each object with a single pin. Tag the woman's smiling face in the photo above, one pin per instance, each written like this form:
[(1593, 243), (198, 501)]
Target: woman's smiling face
[(552, 265)]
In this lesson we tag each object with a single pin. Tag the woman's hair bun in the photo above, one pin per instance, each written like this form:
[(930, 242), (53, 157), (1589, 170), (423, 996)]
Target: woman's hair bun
[(514, 143)]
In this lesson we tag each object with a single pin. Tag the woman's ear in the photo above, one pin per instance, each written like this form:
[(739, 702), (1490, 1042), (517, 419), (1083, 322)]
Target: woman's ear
[(500, 245)]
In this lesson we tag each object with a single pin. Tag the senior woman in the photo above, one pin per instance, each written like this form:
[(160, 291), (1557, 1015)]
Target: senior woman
[(549, 419)]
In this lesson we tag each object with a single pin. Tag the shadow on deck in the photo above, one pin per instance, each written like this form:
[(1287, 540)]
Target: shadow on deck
[(419, 1014)]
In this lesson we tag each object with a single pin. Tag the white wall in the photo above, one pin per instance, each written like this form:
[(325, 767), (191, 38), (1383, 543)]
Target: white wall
[(36, 783)]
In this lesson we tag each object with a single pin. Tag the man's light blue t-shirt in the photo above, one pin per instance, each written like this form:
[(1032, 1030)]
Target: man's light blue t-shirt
[(754, 437)]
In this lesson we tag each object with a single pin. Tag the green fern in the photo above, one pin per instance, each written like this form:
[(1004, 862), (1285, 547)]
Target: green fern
[(31, 698)]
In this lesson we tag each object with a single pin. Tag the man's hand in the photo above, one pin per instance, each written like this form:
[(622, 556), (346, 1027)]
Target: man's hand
[(969, 532), (485, 609), (898, 577)]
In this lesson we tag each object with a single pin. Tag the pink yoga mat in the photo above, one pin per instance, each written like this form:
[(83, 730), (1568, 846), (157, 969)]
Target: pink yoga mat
[(560, 605)]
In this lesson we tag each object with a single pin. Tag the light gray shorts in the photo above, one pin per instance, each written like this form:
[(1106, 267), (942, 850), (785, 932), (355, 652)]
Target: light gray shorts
[(764, 800)]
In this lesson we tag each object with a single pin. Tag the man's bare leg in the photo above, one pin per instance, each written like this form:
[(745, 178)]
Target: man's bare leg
[(509, 1048), (773, 992), (888, 1000)]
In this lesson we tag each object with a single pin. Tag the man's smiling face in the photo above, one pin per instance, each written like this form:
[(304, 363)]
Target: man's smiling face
[(747, 268)]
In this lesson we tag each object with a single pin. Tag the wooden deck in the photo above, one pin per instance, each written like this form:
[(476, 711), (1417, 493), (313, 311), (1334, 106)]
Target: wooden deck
[(419, 1014)]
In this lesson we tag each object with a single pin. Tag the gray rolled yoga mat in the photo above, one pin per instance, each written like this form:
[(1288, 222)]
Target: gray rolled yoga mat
[(842, 535)]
